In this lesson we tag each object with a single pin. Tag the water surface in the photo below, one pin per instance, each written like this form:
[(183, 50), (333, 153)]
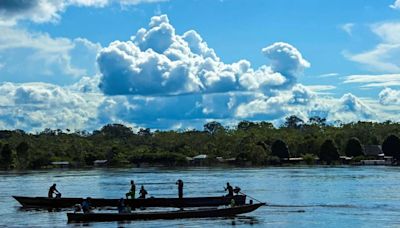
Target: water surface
[(297, 196)]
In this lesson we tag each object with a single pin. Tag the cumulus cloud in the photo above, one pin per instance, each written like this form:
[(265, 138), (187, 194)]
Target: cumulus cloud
[(353, 105), (389, 96), (285, 59), (305, 104), (301, 95), (158, 79), (39, 11), (157, 61), (35, 106), (33, 56), (382, 58)]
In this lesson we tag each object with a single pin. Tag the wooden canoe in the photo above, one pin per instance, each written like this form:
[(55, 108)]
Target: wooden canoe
[(45, 202), (181, 214)]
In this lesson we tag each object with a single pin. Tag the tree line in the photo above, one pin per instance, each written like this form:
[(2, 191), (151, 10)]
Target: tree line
[(258, 142)]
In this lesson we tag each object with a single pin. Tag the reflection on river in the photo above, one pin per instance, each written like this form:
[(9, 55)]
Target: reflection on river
[(297, 196)]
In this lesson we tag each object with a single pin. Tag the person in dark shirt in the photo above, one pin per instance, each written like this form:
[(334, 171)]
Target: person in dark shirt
[(142, 193), (132, 191), (121, 206), (86, 207), (180, 188), (229, 189), (53, 190)]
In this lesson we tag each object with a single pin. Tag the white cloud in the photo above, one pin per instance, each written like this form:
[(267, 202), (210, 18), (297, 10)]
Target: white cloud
[(354, 106), (382, 80), (382, 58), (389, 96), (40, 11), (32, 56), (35, 106), (395, 5), (320, 88), (164, 80), (348, 108), (327, 75), (348, 28), (286, 59), (157, 61), (301, 95)]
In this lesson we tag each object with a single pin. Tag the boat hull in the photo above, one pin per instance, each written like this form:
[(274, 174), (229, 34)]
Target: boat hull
[(44, 202), (202, 213)]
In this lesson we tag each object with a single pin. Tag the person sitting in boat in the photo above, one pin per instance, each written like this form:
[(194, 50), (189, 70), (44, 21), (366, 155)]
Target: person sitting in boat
[(180, 188), (121, 206), (86, 206), (132, 191), (229, 189), (233, 203), (142, 193), (53, 190)]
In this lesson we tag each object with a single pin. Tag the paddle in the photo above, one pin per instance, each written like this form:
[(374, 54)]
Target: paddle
[(251, 197)]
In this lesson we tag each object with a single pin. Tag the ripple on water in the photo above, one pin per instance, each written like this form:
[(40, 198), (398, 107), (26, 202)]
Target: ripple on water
[(297, 196)]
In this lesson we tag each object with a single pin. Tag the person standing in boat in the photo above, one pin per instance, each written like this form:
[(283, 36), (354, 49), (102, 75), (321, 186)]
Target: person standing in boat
[(229, 189), (132, 191), (142, 193), (53, 190), (180, 188)]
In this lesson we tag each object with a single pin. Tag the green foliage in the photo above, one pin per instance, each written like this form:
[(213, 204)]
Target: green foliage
[(358, 158), (6, 156), (213, 127), (115, 131), (293, 122), (329, 152), (354, 148), (254, 142), (22, 154), (391, 146), (273, 160), (280, 149), (309, 159)]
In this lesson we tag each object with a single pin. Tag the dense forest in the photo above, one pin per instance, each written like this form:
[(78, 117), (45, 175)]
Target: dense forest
[(258, 142)]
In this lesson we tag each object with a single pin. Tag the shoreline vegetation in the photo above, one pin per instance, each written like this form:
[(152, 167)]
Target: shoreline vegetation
[(248, 144)]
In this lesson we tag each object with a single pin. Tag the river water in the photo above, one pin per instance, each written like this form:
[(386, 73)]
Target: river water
[(297, 196)]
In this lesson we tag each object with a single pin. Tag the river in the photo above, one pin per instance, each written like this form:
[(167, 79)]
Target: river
[(297, 196)]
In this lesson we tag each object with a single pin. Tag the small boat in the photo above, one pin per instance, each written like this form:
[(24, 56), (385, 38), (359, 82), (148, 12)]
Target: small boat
[(181, 214), (45, 202)]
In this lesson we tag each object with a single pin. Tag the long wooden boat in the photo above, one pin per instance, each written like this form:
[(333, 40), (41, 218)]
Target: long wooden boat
[(200, 213), (45, 202)]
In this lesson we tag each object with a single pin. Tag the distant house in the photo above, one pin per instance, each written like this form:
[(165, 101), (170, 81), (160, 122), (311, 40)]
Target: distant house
[(373, 151), (61, 164), (373, 162), (345, 160), (100, 162), (200, 159)]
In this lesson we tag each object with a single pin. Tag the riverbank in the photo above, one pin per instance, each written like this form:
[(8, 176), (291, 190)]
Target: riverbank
[(250, 144)]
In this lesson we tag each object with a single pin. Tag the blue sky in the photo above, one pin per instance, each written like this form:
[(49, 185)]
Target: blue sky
[(177, 64)]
